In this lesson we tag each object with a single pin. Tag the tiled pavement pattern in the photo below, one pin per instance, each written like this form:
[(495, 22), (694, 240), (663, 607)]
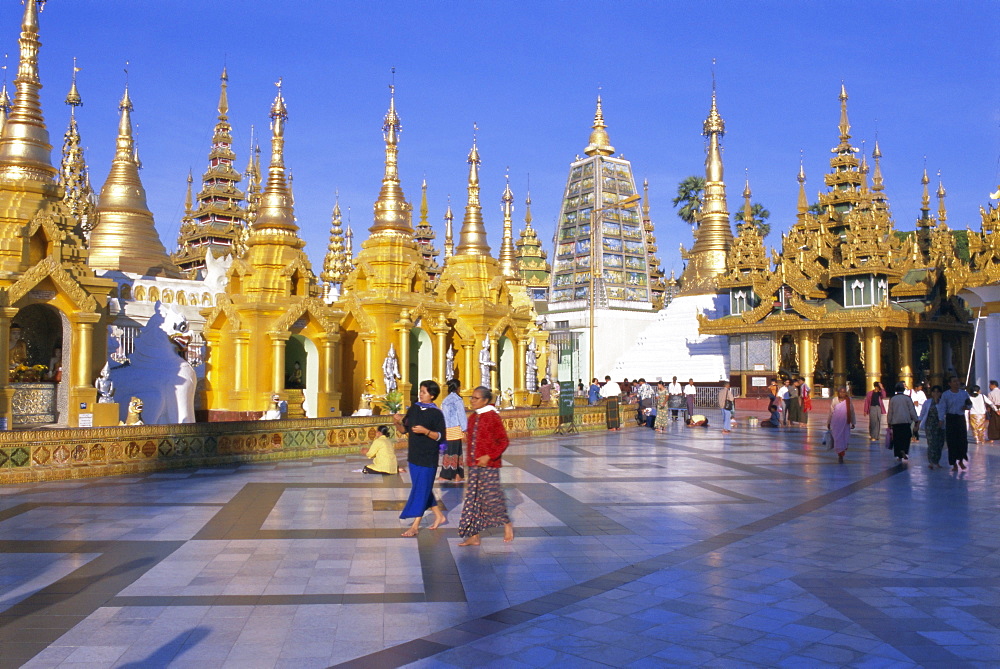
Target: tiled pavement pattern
[(633, 549)]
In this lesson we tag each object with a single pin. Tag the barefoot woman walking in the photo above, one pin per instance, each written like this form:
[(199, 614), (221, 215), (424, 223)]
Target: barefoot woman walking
[(484, 505), (424, 423)]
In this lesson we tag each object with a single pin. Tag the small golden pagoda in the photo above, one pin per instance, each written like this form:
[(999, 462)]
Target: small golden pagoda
[(48, 294), (532, 260), (707, 258), (124, 237), (423, 235), (271, 331), (847, 299), (219, 219), (336, 265)]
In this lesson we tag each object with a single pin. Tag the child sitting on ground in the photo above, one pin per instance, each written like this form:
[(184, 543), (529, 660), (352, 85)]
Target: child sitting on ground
[(382, 453), (774, 421)]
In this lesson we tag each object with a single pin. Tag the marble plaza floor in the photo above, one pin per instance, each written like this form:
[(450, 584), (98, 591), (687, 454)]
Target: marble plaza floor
[(691, 548)]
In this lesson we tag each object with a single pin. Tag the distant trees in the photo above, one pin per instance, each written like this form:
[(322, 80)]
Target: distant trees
[(689, 198)]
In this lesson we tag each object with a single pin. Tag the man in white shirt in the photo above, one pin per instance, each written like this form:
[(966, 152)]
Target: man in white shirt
[(783, 395), (919, 397), (611, 391), (994, 393), (676, 394), (689, 394)]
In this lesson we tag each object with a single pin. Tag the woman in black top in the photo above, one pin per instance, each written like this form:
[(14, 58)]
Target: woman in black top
[(424, 423)]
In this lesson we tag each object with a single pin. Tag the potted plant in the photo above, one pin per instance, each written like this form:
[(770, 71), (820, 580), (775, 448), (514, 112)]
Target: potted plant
[(392, 402)]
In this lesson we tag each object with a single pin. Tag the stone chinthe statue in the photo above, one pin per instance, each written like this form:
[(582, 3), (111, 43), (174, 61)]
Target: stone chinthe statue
[(531, 367), (485, 364), (449, 364), (390, 370)]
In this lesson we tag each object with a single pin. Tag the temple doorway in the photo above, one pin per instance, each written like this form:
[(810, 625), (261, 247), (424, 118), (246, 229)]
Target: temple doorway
[(301, 377), (37, 363), (505, 365), (421, 360)]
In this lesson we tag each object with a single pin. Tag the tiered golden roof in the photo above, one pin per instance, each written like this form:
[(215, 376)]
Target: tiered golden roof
[(423, 235), (532, 263), (335, 264), (74, 177), (219, 220)]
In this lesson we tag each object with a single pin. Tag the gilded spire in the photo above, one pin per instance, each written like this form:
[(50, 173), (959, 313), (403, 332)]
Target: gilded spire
[(25, 152), (747, 207), (844, 125), (801, 178), (942, 211), (423, 204), (600, 143), (423, 237), (472, 239), (449, 240), (335, 266), (508, 261), (276, 218), (73, 174), (188, 200), (645, 200), (392, 211), (707, 258), (349, 241), (925, 199), (125, 236), (224, 95), (878, 183), (4, 106), (527, 210)]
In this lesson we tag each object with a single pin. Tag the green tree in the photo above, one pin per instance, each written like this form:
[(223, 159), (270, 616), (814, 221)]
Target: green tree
[(758, 216), (689, 198)]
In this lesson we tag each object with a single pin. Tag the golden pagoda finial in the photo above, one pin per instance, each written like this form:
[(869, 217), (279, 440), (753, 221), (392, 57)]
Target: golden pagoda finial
[(527, 206), (224, 95), (125, 238), (863, 168), (844, 125), (423, 202), (645, 200), (335, 266), (276, 218), (942, 211), (449, 242), (349, 241), (600, 143), (392, 211), (4, 106), (188, 200), (803, 204), (73, 174), (878, 183), (925, 199), (747, 207), (25, 152), (508, 260), (472, 239)]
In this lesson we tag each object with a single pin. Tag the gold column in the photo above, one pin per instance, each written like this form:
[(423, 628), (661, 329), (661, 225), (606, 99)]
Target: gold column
[(82, 394), (521, 350), (807, 366), (470, 373), (402, 328), (906, 357), (7, 314), (241, 347), (937, 355), (328, 401), (440, 332), (873, 356), (277, 364), (495, 369), (369, 342), (840, 360)]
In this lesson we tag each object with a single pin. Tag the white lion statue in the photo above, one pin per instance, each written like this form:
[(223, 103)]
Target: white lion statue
[(157, 371)]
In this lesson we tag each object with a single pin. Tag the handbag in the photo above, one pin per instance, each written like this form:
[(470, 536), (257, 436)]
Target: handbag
[(828, 439), (888, 437)]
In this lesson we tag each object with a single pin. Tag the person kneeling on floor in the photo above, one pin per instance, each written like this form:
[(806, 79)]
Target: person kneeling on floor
[(382, 453)]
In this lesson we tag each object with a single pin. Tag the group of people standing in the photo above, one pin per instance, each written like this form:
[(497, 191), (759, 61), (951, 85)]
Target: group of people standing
[(434, 432), (789, 403), (944, 416)]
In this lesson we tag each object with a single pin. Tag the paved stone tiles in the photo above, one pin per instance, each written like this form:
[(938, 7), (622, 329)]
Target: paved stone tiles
[(690, 548)]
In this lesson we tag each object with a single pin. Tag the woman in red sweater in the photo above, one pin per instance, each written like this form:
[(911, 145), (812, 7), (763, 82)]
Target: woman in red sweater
[(484, 505)]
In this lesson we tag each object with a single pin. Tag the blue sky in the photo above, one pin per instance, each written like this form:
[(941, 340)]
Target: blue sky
[(921, 75)]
